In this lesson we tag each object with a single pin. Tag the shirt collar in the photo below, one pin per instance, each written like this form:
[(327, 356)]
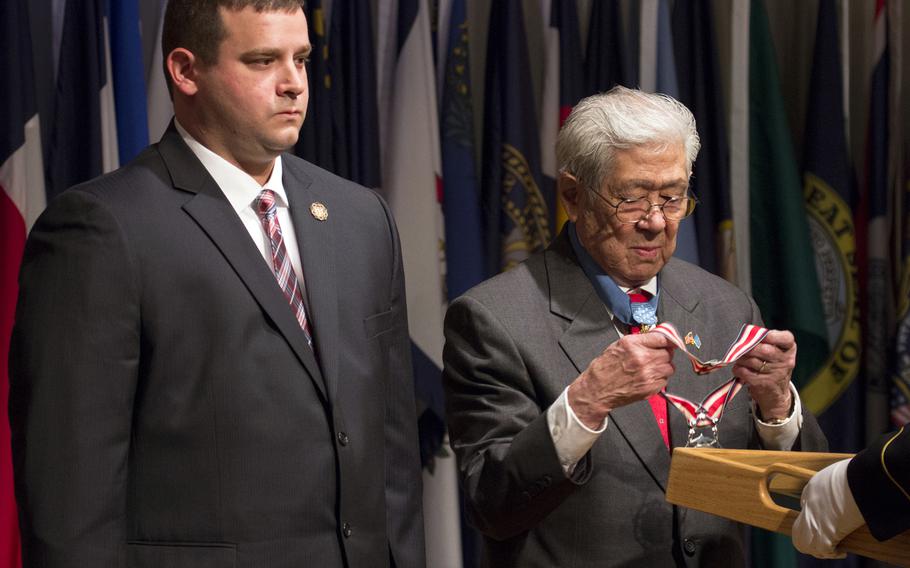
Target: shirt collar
[(614, 296), (238, 186)]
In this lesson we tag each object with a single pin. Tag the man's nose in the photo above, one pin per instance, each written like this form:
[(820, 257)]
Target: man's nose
[(654, 219), (294, 81)]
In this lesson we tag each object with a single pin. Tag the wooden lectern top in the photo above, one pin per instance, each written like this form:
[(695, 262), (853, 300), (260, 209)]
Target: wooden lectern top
[(737, 485)]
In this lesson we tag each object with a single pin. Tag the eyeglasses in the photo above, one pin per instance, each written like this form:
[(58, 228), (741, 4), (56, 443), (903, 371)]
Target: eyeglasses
[(631, 211)]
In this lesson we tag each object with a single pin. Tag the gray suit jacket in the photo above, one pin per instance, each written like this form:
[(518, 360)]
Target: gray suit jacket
[(513, 344), (166, 409)]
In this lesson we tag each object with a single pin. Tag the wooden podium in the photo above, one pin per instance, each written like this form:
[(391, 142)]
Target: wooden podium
[(738, 484)]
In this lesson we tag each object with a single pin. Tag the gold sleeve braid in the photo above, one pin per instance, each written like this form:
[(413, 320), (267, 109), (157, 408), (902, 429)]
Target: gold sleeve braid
[(885, 465)]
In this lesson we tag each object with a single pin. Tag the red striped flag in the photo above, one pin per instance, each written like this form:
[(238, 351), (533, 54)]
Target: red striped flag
[(21, 199)]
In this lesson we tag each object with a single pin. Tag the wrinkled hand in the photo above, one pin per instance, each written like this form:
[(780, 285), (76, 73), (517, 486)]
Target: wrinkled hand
[(629, 370), (828, 514), (766, 372)]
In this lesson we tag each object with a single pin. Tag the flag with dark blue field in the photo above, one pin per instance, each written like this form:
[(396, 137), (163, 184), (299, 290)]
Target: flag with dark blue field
[(564, 17), (831, 392), (75, 151), (316, 135), (607, 58), (355, 114), (518, 211), (129, 78), (700, 83), (465, 265), (686, 237)]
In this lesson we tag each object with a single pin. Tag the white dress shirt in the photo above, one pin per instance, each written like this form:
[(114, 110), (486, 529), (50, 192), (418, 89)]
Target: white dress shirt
[(573, 439), (242, 190)]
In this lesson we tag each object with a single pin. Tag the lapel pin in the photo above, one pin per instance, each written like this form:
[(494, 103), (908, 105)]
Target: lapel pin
[(693, 339), (319, 211)]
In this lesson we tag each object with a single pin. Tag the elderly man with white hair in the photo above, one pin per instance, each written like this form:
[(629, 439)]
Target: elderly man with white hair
[(558, 401)]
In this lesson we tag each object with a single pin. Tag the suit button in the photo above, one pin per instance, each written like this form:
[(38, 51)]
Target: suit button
[(689, 546), (343, 438), (346, 530)]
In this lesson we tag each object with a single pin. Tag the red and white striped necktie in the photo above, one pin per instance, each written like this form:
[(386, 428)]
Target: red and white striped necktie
[(281, 263)]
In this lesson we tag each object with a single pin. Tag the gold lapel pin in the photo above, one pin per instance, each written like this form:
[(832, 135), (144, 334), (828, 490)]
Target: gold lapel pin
[(319, 211)]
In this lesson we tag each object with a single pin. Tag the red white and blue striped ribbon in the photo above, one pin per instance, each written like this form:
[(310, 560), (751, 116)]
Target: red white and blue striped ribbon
[(749, 336), (712, 407), (713, 404)]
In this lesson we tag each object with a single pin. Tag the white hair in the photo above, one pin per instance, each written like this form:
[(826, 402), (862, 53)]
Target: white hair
[(620, 119)]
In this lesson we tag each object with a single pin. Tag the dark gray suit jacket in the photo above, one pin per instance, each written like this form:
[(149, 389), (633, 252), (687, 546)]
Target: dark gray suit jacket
[(166, 409), (513, 344)]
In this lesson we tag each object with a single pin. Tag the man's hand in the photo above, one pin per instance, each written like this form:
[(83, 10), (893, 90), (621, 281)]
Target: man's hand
[(766, 371), (828, 514), (629, 370)]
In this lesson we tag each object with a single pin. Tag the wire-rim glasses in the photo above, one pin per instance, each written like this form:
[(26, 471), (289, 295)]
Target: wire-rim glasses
[(631, 211)]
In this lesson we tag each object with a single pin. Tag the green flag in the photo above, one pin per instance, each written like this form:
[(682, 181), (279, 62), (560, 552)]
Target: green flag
[(784, 280)]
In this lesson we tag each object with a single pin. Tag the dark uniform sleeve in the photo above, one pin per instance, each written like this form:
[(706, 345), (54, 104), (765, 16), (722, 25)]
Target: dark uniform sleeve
[(879, 478)]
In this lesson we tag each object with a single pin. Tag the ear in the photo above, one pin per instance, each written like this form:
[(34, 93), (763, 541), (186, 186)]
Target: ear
[(570, 194), (182, 67)]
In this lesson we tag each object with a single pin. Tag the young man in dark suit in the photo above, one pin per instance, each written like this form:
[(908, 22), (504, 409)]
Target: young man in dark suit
[(210, 364)]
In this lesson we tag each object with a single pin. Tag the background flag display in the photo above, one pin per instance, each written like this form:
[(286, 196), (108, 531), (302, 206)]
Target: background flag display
[(830, 392), (128, 79), (784, 283), (316, 136), (607, 60), (700, 89), (352, 74), (662, 78), (160, 109), (518, 209), (465, 262), (563, 85), (83, 140)]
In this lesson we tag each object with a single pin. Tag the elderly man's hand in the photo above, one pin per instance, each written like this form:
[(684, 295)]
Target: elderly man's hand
[(629, 370), (766, 371)]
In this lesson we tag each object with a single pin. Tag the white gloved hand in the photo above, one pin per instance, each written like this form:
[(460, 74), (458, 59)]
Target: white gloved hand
[(828, 514)]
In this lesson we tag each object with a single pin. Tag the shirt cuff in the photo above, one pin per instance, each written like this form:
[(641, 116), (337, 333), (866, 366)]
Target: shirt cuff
[(781, 436), (571, 438)]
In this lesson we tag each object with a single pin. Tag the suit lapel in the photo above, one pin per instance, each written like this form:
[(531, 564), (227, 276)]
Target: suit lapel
[(590, 331), (214, 214), (315, 240)]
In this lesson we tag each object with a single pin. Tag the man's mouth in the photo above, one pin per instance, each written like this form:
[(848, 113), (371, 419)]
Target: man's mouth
[(646, 252)]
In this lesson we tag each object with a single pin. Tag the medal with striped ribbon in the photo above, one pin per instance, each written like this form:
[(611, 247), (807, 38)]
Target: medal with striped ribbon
[(704, 417)]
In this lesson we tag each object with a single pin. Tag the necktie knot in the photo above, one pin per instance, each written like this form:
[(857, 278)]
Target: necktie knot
[(639, 296), (266, 204)]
